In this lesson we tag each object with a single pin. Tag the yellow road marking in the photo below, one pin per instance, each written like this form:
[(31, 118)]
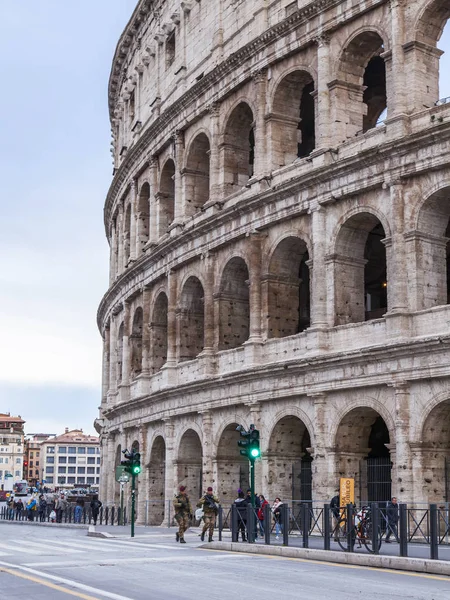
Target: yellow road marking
[(53, 586), (342, 565)]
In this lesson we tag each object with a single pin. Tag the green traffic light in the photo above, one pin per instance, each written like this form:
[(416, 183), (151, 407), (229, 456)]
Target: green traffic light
[(136, 469), (254, 452)]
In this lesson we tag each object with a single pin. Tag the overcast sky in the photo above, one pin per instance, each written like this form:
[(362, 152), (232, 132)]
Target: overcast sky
[(55, 170)]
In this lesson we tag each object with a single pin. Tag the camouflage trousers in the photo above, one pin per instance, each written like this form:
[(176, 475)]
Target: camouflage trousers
[(183, 523), (210, 521)]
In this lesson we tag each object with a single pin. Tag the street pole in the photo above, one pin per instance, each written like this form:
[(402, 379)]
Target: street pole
[(252, 481), (121, 503), (133, 494)]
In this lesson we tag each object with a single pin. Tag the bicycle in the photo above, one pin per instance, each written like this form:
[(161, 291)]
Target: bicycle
[(361, 532)]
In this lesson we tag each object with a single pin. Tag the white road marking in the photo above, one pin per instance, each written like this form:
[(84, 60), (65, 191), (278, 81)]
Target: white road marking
[(47, 545), (16, 546), (74, 584)]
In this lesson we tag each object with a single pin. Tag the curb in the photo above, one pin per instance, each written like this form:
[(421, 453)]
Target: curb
[(54, 525), (98, 534), (396, 563)]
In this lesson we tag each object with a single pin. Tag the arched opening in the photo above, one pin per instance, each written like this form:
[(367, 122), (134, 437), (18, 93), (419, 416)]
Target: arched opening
[(362, 450), (290, 461), (189, 465), (433, 250), (156, 482), (360, 96), (119, 354), (166, 197), (127, 232), (143, 220), (360, 270), (430, 67), (196, 175), (232, 467), (234, 306), (238, 148), (292, 121), (436, 454), (158, 332), (136, 343), (191, 319), (288, 289)]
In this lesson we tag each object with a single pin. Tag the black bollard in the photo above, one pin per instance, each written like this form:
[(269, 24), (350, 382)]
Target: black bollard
[(434, 548), (403, 518), (326, 527)]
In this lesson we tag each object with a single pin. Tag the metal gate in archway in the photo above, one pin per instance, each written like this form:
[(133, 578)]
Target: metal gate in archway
[(375, 479)]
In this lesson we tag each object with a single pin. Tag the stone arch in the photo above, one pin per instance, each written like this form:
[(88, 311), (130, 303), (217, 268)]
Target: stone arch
[(189, 464), (136, 342), (158, 332), (127, 234), (196, 174), (166, 196), (362, 442), (191, 319), (232, 468), (433, 249), (119, 353), (234, 304), (156, 481), (289, 460), (238, 148), (431, 22), (292, 119), (287, 288), (360, 89), (360, 269), (143, 216)]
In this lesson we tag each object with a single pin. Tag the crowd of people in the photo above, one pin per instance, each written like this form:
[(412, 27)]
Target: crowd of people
[(50, 507)]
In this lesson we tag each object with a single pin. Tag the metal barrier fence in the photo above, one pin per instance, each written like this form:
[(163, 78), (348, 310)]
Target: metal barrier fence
[(107, 515), (368, 527)]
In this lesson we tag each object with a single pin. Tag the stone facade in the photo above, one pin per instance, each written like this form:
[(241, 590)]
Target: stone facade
[(278, 223)]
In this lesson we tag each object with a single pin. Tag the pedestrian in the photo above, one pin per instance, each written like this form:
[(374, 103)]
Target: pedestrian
[(263, 502), (11, 507), (241, 504), (334, 508), (78, 512), (31, 508), (392, 520), (276, 511), (19, 509), (60, 508), (42, 509), (210, 505), (95, 508), (183, 513), (257, 507)]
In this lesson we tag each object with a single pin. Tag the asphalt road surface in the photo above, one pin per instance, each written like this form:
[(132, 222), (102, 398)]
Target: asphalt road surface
[(59, 564)]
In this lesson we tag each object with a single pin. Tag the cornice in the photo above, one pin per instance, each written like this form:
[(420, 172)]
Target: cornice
[(208, 82)]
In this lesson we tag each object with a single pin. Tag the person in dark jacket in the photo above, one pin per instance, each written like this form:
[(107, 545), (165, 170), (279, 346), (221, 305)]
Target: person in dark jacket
[(42, 508), (241, 503), (95, 508), (334, 508), (392, 520)]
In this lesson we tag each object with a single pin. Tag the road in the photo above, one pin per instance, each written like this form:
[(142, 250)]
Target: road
[(59, 564)]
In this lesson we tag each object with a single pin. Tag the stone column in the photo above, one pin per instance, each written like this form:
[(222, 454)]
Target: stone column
[(120, 266), (170, 483), (143, 477), (179, 210), (112, 360), (208, 448), (110, 468), (318, 275), (106, 365), (153, 227), (397, 275), (260, 167), (113, 256), (133, 235), (254, 268), (394, 61), (322, 104), (402, 475), (214, 155), (208, 295), (146, 356), (126, 355), (324, 479), (171, 319)]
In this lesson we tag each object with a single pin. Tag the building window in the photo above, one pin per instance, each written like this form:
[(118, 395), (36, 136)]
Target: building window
[(71, 480), (72, 460), (91, 470), (82, 470), (61, 469), (71, 469), (37, 472), (98, 469), (62, 459), (17, 473), (97, 479), (72, 450), (37, 463), (91, 450), (62, 450), (31, 454), (1, 459), (18, 461), (49, 480), (51, 459), (81, 480), (1, 474), (91, 460), (81, 450), (37, 454), (50, 470), (97, 450), (6, 460), (170, 49), (61, 480), (51, 450), (90, 479), (81, 460)]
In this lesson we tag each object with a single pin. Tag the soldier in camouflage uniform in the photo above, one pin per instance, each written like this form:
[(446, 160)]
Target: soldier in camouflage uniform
[(210, 505), (183, 512)]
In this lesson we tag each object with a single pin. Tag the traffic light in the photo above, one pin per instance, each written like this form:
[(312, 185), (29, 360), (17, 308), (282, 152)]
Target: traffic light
[(250, 443), (132, 462), (136, 468), (245, 443)]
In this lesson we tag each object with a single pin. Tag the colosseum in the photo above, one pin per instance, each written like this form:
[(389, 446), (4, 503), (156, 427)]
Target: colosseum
[(278, 222)]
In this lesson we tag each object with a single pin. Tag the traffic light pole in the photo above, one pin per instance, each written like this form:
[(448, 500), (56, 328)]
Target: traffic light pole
[(252, 481), (133, 498)]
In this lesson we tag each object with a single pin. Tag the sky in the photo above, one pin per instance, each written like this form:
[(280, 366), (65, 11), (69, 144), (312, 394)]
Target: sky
[(55, 170)]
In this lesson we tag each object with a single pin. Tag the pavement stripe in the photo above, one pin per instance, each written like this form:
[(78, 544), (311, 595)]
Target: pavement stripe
[(17, 547), (47, 545), (69, 545), (63, 580), (47, 584)]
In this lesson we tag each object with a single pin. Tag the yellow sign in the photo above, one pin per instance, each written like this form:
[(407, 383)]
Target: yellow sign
[(347, 491)]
